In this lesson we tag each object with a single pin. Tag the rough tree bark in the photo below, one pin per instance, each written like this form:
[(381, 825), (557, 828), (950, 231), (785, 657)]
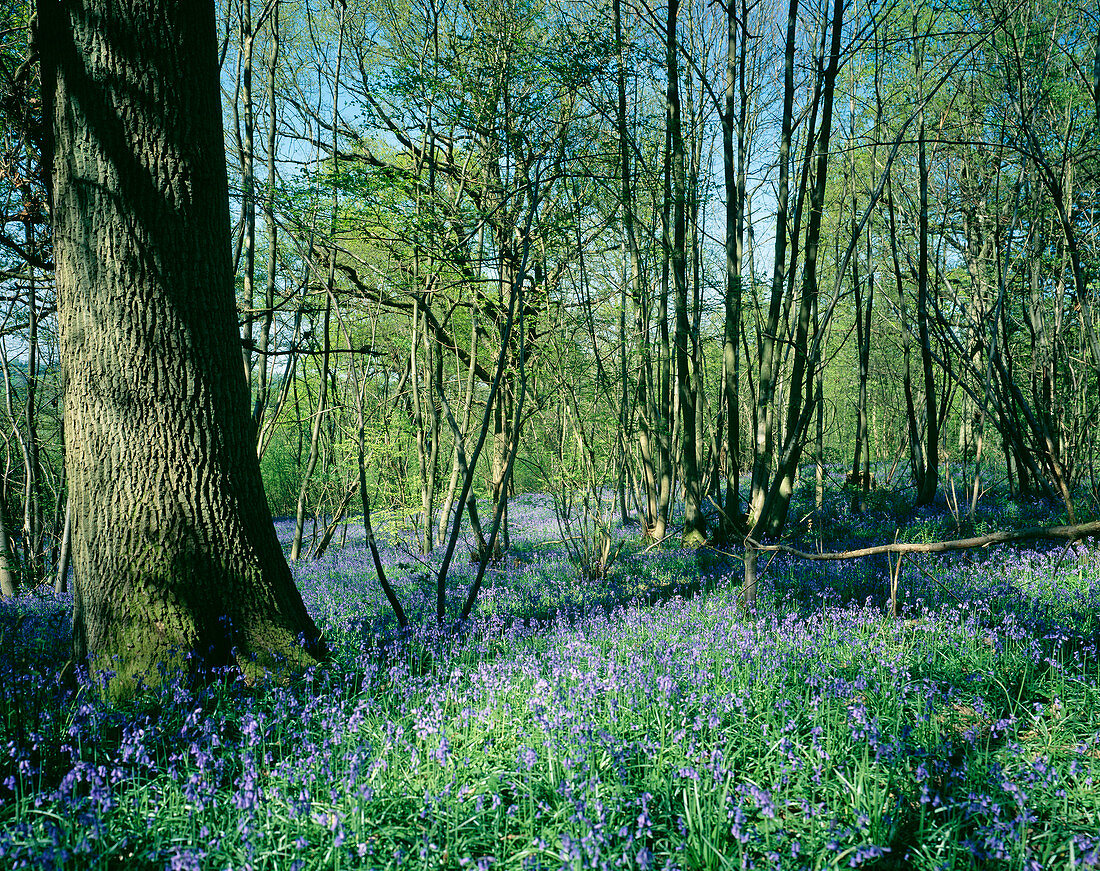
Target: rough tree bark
[(176, 563)]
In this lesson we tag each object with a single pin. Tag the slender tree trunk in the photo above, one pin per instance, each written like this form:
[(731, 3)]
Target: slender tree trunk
[(916, 452), (263, 386), (248, 194), (500, 483), (434, 360), (33, 519), (735, 178), (14, 574), (459, 435), (694, 528), (819, 425), (64, 553), (664, 413), (326, 338), (624, 477), (426, 448), (368, 528), (643, 396), (315, 430), (861, 460), (695, 302), (176, 562), (8, 578), (867, 479), (929, 475), (800, 395), (768, 362)]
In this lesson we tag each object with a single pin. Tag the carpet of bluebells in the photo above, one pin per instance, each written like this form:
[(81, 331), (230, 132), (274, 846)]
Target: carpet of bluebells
[(637, 721)]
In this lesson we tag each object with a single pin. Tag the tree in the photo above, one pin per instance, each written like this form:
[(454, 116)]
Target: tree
[(176, 562), (776, 450), (735, 177), (694, 525)]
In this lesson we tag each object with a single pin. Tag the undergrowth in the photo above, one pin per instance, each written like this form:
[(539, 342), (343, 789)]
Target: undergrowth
[(642, 721)]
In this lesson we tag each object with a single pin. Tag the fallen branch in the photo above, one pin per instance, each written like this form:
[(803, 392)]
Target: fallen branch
[(1037, 533)]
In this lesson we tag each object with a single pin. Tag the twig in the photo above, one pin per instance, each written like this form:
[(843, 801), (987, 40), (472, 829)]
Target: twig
[(936, 581)]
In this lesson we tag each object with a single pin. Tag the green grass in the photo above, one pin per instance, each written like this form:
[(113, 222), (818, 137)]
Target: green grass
[(650, 730)]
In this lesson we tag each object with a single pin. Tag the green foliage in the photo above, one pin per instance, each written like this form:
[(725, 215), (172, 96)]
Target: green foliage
[(282, 474), (653, 723)]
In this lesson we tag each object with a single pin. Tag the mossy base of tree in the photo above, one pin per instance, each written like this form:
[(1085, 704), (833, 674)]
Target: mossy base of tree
[(694, 539), (160, 640), (144, 664)]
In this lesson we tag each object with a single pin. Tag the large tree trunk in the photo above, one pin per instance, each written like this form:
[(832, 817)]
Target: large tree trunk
[(176, 562)]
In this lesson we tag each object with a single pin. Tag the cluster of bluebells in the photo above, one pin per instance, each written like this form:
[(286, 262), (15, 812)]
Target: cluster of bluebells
[(591, 725)]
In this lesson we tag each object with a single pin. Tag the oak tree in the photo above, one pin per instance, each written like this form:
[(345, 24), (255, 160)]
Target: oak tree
[(176, 562)]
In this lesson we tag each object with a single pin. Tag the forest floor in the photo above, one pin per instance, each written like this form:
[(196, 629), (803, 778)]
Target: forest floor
[(637, 720)]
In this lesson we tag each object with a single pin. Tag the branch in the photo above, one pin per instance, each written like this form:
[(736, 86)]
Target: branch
[(441, 334), (1036, 533)]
